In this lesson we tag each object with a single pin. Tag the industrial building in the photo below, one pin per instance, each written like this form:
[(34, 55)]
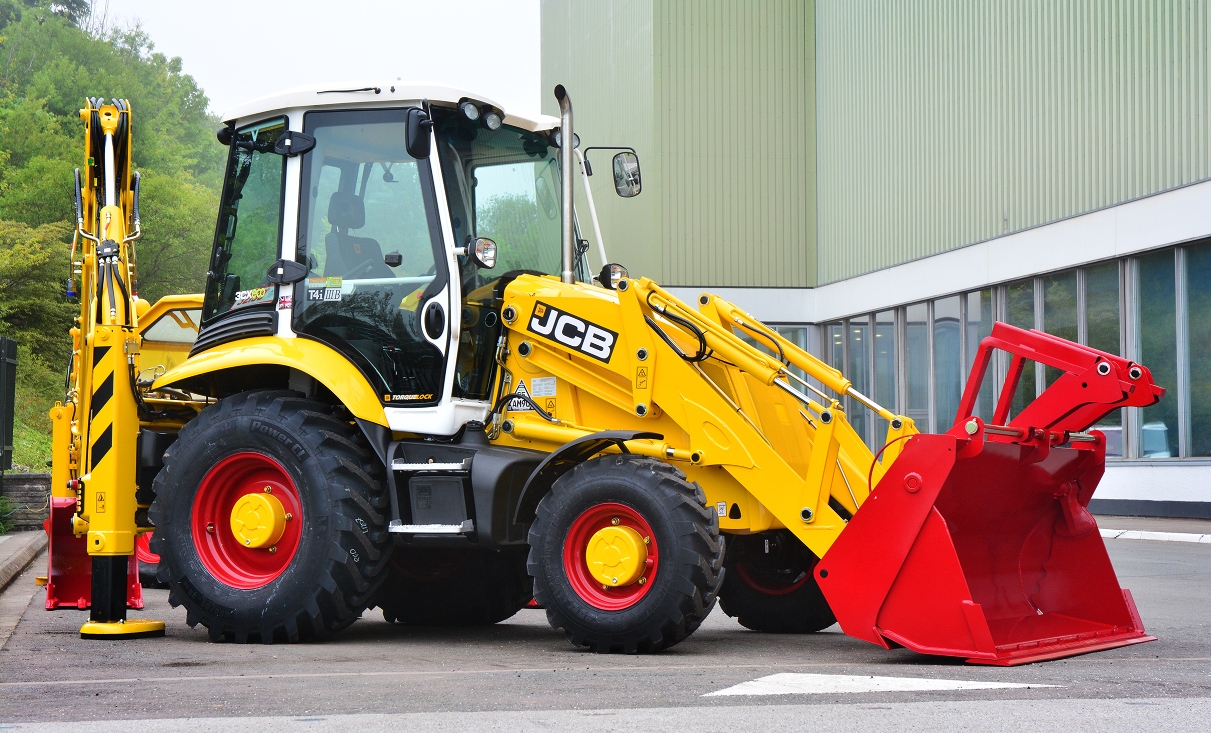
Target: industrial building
[(884, 179)]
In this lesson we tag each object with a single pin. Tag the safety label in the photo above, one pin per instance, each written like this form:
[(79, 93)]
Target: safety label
[(542, 387), (519, 405), (721, 508)]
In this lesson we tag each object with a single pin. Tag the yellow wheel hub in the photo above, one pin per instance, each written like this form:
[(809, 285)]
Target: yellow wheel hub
[(616, 556), (258, 520)]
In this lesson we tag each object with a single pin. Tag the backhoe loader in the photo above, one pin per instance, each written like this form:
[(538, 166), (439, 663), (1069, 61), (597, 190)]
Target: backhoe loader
[(408, 390)]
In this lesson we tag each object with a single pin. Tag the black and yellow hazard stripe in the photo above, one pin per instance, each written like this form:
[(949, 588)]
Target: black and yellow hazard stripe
[(101, 420)]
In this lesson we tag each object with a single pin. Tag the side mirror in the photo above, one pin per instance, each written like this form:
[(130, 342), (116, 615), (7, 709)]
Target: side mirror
[(419, 129), (626, 175), (481, 250)]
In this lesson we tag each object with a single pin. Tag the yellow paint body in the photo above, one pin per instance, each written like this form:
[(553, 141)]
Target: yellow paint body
[(765, 458), (318, 361)]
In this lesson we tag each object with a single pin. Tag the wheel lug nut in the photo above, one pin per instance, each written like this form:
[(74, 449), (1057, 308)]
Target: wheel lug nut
[(268, 489), (642, 581), (289, 516), (210, 528), (247, 542), (615, 521), (647, 540), (604, 586), (273, 549)]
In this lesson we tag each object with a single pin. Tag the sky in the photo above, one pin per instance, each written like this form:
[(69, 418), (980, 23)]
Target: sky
[(238, 51)]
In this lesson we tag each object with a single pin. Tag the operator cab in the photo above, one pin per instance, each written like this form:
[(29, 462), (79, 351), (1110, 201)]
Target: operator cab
[(348, 217)]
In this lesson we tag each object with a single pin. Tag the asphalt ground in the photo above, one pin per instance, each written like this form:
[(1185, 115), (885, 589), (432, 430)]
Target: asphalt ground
[(522, 675)]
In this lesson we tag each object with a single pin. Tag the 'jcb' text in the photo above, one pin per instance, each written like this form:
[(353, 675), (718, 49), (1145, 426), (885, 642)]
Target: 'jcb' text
[(565, 328)]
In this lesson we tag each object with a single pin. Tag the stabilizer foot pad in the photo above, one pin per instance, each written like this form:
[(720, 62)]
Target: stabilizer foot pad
[(140, 628)]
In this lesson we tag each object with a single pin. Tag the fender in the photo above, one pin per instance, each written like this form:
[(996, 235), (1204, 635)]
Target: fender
[(318, 361), (565, 459)]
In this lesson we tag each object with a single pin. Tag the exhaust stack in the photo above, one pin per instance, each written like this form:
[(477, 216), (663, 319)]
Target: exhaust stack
[(566, 143)]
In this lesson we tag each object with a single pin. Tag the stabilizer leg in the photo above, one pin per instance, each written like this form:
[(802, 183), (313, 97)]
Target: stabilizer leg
[(107, 616)]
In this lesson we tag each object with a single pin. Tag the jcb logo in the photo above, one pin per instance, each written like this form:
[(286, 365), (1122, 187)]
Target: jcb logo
[(567, 329)]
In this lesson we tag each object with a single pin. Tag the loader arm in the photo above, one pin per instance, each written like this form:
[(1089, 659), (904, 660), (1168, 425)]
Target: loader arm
[(740, 422)]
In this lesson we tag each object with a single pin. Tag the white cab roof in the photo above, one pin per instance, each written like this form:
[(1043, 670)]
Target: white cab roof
[(372, 93)]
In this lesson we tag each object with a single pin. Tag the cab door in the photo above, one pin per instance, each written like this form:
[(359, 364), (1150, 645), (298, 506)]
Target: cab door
[(377, 281)]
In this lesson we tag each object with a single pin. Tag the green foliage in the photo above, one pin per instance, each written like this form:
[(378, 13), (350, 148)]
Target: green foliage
[(50, 61), (7, 509)]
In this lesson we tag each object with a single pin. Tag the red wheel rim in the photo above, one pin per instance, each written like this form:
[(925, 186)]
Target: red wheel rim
[(762, 585), (143, 549), (576, 568), (220, 552)]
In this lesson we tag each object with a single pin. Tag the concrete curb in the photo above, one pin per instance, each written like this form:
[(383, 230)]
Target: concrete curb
[(1137, 534), (18, 558)]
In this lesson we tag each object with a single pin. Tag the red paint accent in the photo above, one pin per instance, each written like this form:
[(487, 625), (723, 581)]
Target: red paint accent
[(69, 568), (220, 552), (994, 556), (752, 580), (143, 549), (577, 542)]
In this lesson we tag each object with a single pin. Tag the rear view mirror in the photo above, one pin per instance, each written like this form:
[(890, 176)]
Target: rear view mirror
[(626, 175), (419, 130)]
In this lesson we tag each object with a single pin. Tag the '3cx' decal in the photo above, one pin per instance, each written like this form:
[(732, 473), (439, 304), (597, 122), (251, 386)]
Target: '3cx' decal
[(565, 328)]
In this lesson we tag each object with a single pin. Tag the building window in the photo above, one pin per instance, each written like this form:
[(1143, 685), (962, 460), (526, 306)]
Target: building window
[(918, 374), (1103, 331), (1157, 349), (885, 369), (1019, 311), (980, 318), (1198, 343), (947, 362)]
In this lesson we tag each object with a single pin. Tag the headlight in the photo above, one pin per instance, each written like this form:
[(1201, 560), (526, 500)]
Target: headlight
[(469, 110), (492, 121), (557, 138)]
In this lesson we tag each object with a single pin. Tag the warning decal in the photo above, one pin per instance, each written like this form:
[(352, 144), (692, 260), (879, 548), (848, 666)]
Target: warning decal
[(516, 405)]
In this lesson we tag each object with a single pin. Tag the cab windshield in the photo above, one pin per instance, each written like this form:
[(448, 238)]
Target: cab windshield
[(504, 185)]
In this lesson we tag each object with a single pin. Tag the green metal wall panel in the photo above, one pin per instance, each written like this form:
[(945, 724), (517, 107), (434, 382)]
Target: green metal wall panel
[(716, 96), (735, 125), (602, 53), (946, 122)]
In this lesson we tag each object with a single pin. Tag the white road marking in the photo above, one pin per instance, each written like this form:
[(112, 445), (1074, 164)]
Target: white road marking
[(1139, 534), (794, 683)]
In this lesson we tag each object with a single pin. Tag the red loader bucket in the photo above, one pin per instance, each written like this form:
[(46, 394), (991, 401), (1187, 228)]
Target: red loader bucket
[(977, 543)]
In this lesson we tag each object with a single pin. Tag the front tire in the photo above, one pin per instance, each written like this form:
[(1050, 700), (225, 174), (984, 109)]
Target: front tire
[(329, 558), (657, 603)]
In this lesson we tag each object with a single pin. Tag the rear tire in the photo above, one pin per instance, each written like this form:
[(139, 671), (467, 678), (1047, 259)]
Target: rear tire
[(451, 587), (333, 553), (685, 552), (775, 591)]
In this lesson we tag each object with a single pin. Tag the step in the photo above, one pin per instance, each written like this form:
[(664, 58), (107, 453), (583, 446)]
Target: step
[(464, 465), (398, 527)]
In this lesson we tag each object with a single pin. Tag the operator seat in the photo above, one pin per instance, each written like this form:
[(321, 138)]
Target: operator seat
[(350, 256)]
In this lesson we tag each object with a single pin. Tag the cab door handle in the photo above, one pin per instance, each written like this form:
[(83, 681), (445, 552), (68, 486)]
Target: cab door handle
[(434, 320)]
